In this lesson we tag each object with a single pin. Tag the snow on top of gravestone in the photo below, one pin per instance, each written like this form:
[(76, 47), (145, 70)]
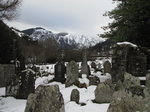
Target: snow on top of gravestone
[(127, 43)]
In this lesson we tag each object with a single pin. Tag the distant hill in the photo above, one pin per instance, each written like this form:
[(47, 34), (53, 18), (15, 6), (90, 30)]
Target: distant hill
[(63, 39)]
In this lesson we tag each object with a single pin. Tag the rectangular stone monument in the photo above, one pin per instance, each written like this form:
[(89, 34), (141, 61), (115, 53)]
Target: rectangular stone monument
[(130, 58), (6, 71)]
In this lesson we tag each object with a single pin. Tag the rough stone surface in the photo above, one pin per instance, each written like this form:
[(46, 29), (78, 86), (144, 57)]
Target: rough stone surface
[(75, 96), (130, 80), (107, 67), (45, 99), (22, 85), (103, 93), (27, 85), (72, 73), (125, 101), (148, 82)]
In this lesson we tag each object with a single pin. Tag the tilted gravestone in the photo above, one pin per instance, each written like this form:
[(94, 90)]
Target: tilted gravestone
[(45, 99), (107, 67), (72, 73), (60, 70), (85, 69)]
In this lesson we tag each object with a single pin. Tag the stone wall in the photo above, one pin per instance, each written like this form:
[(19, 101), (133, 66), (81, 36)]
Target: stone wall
[(6, 71)]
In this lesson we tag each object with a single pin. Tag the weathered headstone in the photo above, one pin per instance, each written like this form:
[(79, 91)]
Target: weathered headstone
[(130, 80), (85, 69), (27, 85), (107, 67), (125, 101), (130, 58), (6, 71), (60, 70), (72, 73), (45, 99), (21, 86), (103, 93), (75, 96)]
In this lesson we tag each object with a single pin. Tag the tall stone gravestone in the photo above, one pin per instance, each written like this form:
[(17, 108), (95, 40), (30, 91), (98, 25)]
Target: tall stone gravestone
[(20, 86), (107, 67), (6, 72), (130, 58), (85, 69), (72, 73), (60, 71), (27, 85)]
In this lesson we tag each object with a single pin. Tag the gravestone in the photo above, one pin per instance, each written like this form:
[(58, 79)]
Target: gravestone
[(6, 71), (75, 96), (60, 70), (21, 86), (85, 69), (107, 67), (27, 85), (130, 80), (130, 58), (72, 73), (103, 93), (125, 101), (45, 99)]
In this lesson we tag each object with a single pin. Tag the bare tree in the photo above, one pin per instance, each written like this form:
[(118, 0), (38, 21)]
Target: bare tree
[(8, 9)]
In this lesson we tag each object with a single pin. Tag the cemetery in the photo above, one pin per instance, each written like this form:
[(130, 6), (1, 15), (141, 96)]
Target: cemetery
[(74, 55), (120, 83)]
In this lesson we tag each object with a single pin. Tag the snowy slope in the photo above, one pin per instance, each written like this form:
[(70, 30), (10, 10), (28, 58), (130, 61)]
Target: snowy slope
[(63, 38)]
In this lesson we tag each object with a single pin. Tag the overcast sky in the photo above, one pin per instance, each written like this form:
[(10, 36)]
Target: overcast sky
[(74, 16)]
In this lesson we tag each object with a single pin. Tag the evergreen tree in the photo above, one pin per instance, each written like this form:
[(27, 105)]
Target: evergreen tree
[(131, 22)]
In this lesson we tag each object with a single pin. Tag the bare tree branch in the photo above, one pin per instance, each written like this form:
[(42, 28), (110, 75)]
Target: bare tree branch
[(8, 9)]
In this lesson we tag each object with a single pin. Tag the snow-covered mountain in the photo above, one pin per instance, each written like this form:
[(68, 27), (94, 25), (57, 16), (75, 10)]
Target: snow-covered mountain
[(64, 39)]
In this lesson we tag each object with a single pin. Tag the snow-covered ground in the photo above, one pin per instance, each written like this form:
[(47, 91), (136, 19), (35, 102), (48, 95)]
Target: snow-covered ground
[(10, 104)]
